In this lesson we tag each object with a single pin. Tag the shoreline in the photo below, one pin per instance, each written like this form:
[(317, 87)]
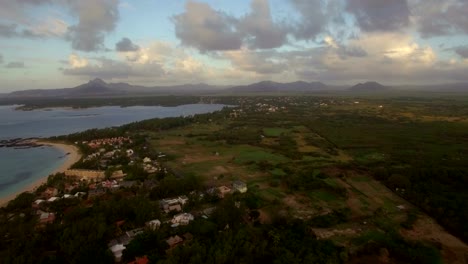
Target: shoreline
[(70, 159)]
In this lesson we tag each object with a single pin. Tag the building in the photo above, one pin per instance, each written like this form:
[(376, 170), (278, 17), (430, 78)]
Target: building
[(174, 241), (173, 204), (223, 190), (154, 224), (50, 192), (239, 186), (182, 219), (143, 260), (117, 175), (86, 174)]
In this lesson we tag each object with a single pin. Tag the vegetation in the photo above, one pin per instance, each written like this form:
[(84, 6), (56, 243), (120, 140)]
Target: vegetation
[(327, 182)]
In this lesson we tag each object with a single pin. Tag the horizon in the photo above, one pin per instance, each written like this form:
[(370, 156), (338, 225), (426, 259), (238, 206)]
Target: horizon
[(56, 44)]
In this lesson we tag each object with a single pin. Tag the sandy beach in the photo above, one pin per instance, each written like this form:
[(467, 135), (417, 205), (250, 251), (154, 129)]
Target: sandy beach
[(73, 157)]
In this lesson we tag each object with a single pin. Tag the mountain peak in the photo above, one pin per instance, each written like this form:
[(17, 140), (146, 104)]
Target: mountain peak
[(97, 81), (368, 86)]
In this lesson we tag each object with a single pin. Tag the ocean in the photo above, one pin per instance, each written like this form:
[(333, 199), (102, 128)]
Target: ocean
[(20, 168)]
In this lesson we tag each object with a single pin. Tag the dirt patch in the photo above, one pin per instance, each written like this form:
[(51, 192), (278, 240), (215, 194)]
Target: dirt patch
[(326, 233), (453, 249)]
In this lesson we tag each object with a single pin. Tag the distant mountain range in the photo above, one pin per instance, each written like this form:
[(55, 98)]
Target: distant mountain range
[(99, 88), (269, 87)]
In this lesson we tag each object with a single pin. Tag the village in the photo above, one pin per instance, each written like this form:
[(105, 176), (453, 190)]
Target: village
[(88, 186)]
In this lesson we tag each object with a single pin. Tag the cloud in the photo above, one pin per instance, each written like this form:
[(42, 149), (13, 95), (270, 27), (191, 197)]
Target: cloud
[(313, 20), (206, 29), (15, 65), (260, 62), (126, 45), (101, 68), (438, 18), (462, 51), (259, 27), (96, 19), (380, 15), (1, 58), (391, 57)]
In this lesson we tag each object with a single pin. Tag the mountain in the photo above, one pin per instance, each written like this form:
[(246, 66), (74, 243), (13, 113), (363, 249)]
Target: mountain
[(369, 87), (96, 87), (269, 86), (99, 88)]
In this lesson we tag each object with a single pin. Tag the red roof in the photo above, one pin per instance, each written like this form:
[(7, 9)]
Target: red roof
[(143, 260)]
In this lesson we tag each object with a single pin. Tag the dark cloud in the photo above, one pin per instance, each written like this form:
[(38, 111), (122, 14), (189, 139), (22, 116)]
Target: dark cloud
[(125, 45), (11, 31), (380, 15), (462, 51), (260, 29), (352, 51), (313, 18), (15, 65), (206, 29), (8, 31), (96, 19), (438, 18)]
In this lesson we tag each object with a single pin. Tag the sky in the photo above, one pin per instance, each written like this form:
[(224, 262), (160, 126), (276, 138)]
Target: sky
[(63, 43)]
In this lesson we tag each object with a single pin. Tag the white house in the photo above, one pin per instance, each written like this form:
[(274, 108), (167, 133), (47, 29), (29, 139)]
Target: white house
[(239, 186), (146, 160), (183, 218), (154, 224)]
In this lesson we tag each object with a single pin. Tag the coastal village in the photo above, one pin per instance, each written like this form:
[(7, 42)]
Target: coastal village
[(90, 185)]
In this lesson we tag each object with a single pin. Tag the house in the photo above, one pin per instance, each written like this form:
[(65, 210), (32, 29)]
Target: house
[(154, 224), (53, 199), (117, 250), (174, 241), (182, 219), (143, 260), (119, 244), (223, 190), (45, 217), (146, 160), (96, 192), (50, 192), (173, 204), (38, 202), (80, 194), (128, 184), (239, 186), (119, 174)]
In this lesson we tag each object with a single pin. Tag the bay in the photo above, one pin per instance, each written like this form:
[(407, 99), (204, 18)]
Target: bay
[(20, 168)]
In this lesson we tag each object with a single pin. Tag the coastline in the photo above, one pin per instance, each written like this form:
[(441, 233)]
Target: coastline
[(70, 159)]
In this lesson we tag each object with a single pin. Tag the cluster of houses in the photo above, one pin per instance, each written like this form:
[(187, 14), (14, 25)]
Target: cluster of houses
[(48, 196), (180, 218), (115, 141)]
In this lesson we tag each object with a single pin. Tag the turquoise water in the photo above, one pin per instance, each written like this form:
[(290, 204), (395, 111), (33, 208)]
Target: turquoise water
[(22, 167)]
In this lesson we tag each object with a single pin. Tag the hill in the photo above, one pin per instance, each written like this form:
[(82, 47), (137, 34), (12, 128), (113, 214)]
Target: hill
[(269, 86), (369, 87)]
